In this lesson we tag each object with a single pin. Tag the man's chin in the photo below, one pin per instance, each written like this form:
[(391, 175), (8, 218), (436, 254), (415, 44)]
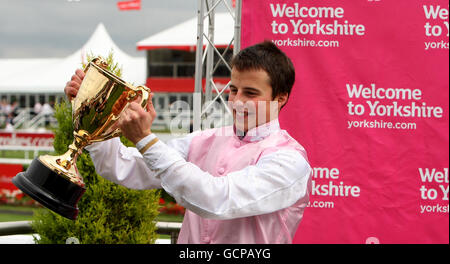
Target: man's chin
[(242, 128)]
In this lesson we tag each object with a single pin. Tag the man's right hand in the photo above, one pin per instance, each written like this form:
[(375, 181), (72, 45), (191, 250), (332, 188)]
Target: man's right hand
[(74, 84)]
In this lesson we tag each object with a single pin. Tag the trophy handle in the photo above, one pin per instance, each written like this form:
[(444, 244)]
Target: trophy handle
[(128, 97), (99, 61), (145, 94)]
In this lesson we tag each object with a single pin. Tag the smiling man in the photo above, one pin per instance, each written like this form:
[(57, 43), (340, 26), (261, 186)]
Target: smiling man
[(247, 183)]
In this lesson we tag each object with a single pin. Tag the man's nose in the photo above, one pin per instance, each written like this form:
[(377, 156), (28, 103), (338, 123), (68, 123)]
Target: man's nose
[(239, 97)]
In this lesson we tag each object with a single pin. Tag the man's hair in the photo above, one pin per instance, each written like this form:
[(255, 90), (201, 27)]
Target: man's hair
[(268, 57)]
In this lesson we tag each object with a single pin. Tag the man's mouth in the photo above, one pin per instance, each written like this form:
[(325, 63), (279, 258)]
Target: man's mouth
[(241, 114)]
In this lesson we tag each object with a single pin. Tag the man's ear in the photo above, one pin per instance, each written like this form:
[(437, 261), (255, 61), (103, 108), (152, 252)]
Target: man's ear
[(282, 100)]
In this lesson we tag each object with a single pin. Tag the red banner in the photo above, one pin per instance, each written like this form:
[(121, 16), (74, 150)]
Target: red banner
[(7, 188), (370, 106), (26, 139), (182, 85), (129, 5)]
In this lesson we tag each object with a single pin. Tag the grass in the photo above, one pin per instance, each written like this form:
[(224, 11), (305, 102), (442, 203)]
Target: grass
[(7, 217), (17, 208), (169, 218), (20, 154), (10, 213), (24, 213)]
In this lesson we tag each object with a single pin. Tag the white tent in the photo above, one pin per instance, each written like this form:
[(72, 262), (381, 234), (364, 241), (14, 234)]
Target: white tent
[(51, 75), (184, 35)]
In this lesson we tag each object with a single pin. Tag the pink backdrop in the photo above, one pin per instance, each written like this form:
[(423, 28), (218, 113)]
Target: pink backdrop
[(370, 105)]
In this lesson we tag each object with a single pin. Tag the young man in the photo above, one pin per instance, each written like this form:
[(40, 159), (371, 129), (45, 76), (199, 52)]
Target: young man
[(247, 183)]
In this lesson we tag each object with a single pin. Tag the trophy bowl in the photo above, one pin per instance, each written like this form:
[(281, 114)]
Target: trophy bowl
[(54, 181)]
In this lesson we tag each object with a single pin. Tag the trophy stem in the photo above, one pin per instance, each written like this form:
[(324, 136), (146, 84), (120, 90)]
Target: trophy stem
[(68, 160)]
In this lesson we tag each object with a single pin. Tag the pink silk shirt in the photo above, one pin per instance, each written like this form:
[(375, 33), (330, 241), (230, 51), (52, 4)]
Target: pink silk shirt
[(235, 190)]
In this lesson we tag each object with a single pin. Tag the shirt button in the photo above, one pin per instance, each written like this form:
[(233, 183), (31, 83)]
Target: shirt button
[(237, 144), (221, 171)]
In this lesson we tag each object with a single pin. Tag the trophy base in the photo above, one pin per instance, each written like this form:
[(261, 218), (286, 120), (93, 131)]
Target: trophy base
[(50, 189)]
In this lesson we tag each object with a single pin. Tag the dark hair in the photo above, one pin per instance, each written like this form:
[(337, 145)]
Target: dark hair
[(268, 57)]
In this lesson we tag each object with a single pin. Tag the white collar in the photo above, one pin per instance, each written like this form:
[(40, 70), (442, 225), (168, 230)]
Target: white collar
[(260, 132)]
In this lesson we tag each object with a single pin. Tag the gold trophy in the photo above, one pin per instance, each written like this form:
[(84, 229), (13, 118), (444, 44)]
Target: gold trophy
[(54, 181)]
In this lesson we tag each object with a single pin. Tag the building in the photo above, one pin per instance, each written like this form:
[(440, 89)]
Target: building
[(29, 81), (170, 58), (168, 69)]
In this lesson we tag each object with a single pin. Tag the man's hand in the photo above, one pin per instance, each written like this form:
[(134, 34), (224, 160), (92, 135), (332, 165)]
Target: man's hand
[(74, 84), (135, 122)]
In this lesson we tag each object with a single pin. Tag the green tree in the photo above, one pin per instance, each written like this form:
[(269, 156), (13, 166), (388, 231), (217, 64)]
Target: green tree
[(109, 213)]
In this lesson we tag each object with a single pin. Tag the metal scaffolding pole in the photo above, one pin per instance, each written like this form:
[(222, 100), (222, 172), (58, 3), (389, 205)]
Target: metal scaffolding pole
[(204, 65), (197, 98), (209, 54), (237, 27)]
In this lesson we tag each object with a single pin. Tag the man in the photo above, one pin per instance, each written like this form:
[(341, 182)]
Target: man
[(247, 183)]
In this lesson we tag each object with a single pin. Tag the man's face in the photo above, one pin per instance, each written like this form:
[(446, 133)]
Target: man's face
[(251, 99)]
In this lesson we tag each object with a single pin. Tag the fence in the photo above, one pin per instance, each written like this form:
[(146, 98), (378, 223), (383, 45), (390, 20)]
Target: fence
[(24, 227), (26, 119)]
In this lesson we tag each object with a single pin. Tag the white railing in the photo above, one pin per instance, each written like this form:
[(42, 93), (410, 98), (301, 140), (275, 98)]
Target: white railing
[(40, 120), (26, 120), (21, 118), (24, 227), (166, 119)]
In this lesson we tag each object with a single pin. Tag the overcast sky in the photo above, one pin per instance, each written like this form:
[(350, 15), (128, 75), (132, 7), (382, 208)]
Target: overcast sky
[(57, 28)]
